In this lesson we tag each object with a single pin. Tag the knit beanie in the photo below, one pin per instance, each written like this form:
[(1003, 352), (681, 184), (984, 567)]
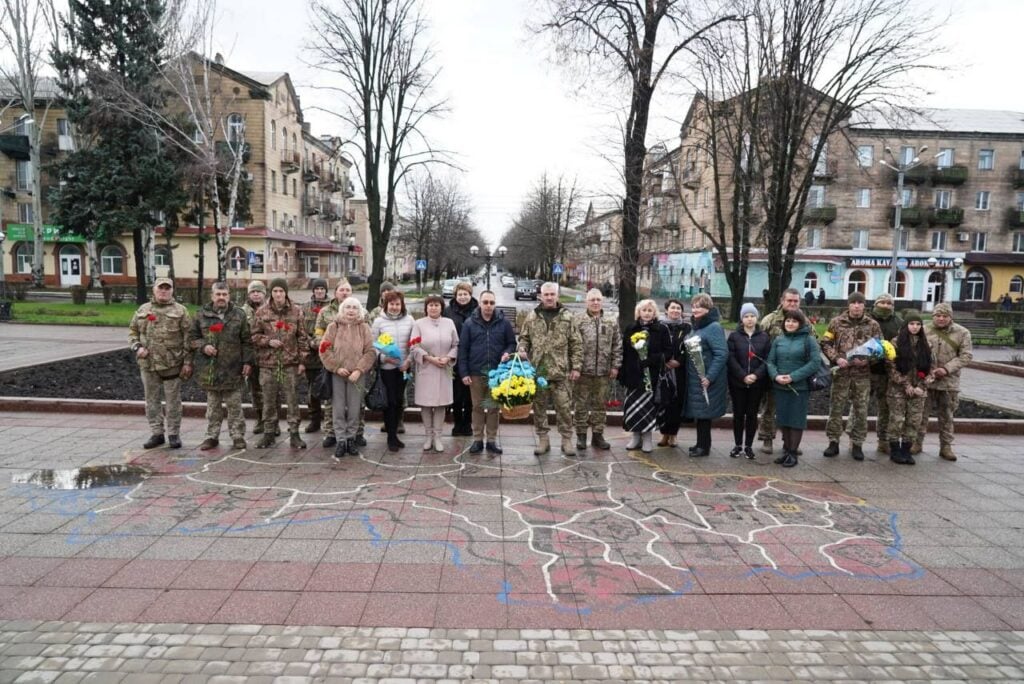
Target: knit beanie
[(884, 297), (856, 296), (257, 286), (317, 282), (912, 315), (387, 286), (748, 308), (943, 310), (279, 282)]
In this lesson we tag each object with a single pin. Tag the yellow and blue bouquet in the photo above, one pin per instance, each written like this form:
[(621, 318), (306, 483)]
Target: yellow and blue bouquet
[(873, 350), (514, 383)]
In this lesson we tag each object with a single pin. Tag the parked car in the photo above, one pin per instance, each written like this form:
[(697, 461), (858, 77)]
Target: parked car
[(525, 290), (536, 285), (448, 288), (507, 280)]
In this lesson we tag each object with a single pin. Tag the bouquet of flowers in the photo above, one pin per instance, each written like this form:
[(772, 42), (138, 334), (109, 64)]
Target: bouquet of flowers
[(696, 354), (387, 346), (638, 341), (214, 334), (873, 350), (513, 385)]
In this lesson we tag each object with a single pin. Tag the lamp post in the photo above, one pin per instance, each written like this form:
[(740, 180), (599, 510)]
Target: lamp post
[(488, 257), (901, 169), (3, 278), (347, 241)]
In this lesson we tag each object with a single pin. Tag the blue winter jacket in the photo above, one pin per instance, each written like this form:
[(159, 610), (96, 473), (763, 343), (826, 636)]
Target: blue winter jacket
[(482, 343), (715, 352)]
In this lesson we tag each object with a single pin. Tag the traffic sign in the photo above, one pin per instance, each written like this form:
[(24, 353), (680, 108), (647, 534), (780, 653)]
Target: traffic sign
[(557, 268), (903, 263), (421, 264)]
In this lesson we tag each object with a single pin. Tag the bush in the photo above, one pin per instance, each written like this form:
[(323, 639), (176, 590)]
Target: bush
[(78, 294)]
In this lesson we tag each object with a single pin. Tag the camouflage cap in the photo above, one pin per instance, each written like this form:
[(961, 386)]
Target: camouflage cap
[(942, 309), (160, 282), (257, 286)]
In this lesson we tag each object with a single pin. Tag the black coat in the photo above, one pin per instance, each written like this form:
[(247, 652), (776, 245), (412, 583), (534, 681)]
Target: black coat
[(741, 364), (460, 314), (659, 351)]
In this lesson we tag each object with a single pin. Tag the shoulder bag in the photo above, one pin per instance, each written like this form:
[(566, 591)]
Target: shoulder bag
[(822, 378), (376, 393)]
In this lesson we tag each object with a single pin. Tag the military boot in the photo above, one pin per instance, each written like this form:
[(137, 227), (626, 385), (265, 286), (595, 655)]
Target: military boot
[(314, 426), (857, 452), (294, 441), (567, 448), (329, 441), (153, 442), (581, 441), (266, 441), (905, 453), (832, 450), (766, 446), (599, 442), (894, 451), (916, 447), (257, 429), (946, 452), (174, 442), (543, 445)]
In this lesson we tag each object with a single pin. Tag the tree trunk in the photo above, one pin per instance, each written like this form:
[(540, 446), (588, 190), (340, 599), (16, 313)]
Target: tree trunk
[(38, 269), (138, 248), (94, 262)]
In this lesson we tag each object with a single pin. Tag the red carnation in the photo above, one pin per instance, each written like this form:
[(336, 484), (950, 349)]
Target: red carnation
[(324, 346), (151, 317), (751, 355), (217, 327), (414, 341), (921, 375), (281, 325), (316, 309)]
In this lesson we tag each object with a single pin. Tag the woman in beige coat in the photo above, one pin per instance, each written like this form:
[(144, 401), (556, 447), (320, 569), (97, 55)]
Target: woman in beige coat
[(346, 350), (434, 356)]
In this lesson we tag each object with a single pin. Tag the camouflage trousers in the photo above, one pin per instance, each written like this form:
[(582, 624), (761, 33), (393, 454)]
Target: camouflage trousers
[(880, 391), (255, 393), (904, 415), (944, 403), (272, 388), (852, 390), (152, 384), (590, 395), (766, 427), (216, 403), (557, 393)]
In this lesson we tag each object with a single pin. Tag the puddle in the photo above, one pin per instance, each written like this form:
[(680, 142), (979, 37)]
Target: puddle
[(89, 477)]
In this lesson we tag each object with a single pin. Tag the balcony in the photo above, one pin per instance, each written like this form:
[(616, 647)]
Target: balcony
[(946, 217), (917, 175), (909, 216), (311, 206), (15, 146), (1015, 217), (348, 191), (827, 170), (950, 175), (291, 161), (328, 181), (310, 173), (348, 218), (826, 214), (330, 211)]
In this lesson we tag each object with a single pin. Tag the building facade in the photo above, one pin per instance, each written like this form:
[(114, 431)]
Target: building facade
[(597, 248)]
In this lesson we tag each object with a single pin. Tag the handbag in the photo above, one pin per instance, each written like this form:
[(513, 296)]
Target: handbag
[(376, 393), (323, 385), (822, 378)]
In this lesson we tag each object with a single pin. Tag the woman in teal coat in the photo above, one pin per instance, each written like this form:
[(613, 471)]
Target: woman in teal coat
[(793, 358), (705, 392)]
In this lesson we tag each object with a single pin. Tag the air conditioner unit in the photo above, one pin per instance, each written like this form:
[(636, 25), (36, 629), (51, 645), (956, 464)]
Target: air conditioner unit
[(963, 237), (247, 176)]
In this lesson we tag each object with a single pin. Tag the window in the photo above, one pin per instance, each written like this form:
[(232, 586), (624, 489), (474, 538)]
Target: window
[(273, 135), (295, 192), (986, 159), (974, 287), (111, 260), (814, 237), (273, 181), (816, 196), (22, 125), (1020, 201), (908, 197), (1017, 285), (860, 238), (904, 240), (237, 259), (1018, 242), (811, 281), (863, 198), (901, 285), (1020, 164), (858, 282), (981, 201), (979, 241), (24, 174), (945, 158), (284, 138), (25, 212), (907, 154), (236, 129), (943, 199), (865, 155), (23, 254), (161, 256), (274, 224), (197, 136), (705, 197), (938, 240)]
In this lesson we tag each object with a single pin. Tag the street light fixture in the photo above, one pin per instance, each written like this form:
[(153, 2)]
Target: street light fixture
[(488, 257), (901, 169)]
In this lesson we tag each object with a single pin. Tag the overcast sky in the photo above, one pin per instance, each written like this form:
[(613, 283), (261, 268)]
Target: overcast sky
[(515, 115)]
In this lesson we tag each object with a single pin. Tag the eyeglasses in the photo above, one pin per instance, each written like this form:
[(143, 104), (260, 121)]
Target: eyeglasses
[(486, 303)]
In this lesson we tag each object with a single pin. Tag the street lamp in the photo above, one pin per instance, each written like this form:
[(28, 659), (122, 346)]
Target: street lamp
[(348, 241), (488, 257), (901, 169), (3, 279)]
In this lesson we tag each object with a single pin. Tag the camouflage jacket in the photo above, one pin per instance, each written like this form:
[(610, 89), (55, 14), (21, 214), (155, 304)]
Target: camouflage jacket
[(233, 343), (250, 313), (952, 357), (898, 382), (311, 310), (373, 314), (772, 323), (326, 316), (845, 333), (554, 347), (287, 324), (602, 343), (161, 329), (890, 326)]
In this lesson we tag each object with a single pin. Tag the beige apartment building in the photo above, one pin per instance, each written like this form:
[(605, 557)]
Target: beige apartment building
[(597, 248), (301, 226), (962, 235)]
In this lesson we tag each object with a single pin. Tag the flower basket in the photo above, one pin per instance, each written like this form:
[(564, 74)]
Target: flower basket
[(521, 412)]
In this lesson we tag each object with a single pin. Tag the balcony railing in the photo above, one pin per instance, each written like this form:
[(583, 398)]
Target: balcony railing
[(311, 206), (328, 181), (291, 161), (330, 211), (1015, 217), (348, 191), (909, 216), (917, 175), (15, 146), (827, 170), (948, 217), (950, 175), (310, 173), (825, 214)]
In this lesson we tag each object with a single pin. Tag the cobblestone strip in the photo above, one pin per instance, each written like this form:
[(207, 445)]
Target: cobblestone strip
[(67, 652)]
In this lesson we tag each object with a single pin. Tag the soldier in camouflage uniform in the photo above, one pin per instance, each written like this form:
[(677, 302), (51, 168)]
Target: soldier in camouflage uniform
[(222, 348), (602, 356), (327, 315), (279, 335), (772, 324), (311, 310), (851, 384), (157, 334), (908, 375), (551, 342), (890, 323), (952, 349), (255, 297)]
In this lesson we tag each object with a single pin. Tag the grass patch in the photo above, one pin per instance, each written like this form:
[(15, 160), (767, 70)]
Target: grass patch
[(66, 313)]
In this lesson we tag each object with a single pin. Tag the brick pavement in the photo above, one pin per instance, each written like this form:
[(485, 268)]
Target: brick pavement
[(429, 544)]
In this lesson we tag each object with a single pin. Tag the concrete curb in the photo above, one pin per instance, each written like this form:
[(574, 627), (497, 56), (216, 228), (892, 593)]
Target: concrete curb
[(1000, 368), (975, 426)]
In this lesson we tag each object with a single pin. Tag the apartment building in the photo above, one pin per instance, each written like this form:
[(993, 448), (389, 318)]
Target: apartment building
[(962, 234), (300, 190), (597, 247)]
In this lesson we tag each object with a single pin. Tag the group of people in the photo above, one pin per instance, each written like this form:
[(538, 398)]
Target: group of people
[(674, 370)]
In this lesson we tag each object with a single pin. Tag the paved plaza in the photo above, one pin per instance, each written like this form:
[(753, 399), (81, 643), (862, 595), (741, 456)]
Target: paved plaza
[(423, 566)]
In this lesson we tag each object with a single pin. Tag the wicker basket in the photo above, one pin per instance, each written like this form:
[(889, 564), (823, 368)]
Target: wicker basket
[(521, 412)]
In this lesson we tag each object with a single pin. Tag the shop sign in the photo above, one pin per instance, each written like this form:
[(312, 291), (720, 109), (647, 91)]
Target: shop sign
[(18, 232), (884, 262)]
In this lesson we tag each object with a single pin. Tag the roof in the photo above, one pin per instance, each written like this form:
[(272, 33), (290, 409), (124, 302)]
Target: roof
[(943, 120), (264, 77), (46, 88)]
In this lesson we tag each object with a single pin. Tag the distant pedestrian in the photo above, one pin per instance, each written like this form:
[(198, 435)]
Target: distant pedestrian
[(158, 333), (434, 358), (890, 323), (821, 297), (346, 350), (396, 322), (459, 310), (645, 348), (706, 387), (670, 415), (809, 298), (748, 378), (602, 356), (909, 374), (952, 350), (794, 357)]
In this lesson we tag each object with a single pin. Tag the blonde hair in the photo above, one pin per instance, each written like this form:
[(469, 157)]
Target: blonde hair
[(348, 301), (703, 300), (643, 304)]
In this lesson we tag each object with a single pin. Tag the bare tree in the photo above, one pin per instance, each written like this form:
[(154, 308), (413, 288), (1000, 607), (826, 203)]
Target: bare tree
[(439, 227), (540, 234), (25, 32), (634, 44), (375, 49)]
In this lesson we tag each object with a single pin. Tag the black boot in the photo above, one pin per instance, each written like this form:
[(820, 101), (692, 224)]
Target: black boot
[(329, 441), (832, 450), (905, 453), (314, 425), (857, 452), (598, 441), (360, 440), (340, 449), (351, 447), (895, 453), (153, 442), (790, 460), (581, 441)]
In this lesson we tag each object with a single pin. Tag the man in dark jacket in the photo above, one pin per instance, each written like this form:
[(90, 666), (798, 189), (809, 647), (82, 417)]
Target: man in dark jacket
[(487, 339), (459, 310), (222, 348), (883, 313), (311, 309)]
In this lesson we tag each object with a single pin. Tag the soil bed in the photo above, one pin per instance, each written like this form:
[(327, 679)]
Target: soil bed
[(115, 376)]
